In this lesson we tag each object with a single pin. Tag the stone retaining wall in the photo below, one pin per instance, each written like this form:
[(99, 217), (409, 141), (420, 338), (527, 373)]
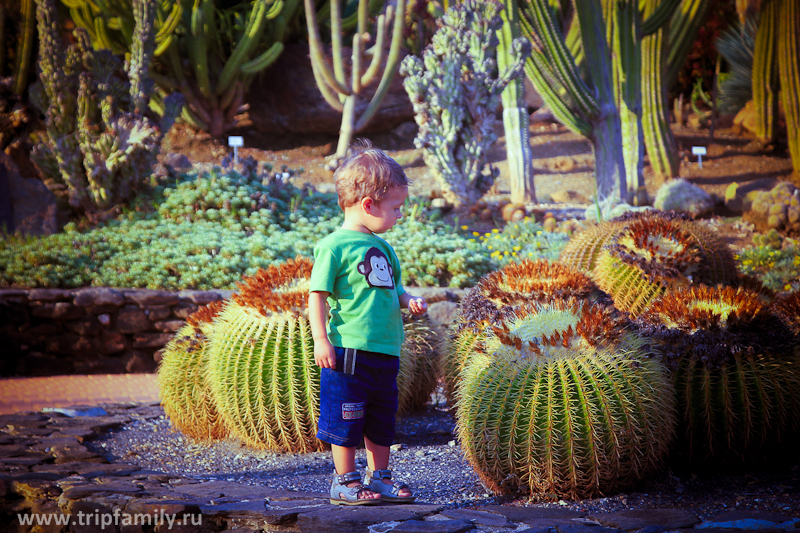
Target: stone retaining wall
[(100, 330)]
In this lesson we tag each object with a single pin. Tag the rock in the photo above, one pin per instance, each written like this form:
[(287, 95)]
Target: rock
[(151, 340), (288, 100), (113, 342), (138, 362), (434, 526), (750, 520), (443, 312), (177, 160), (86, 326), (71, 345), (336, 519), (566, 196), (132, 321), (527, 514), (684, 197), (746, 118), (33, 206), (158, 313), (200, 297), (99, 296), (148, 297), (184, 310), (587, 528), (58, 311), (478, 517), (170, 325), (49, 295), (640, 519)]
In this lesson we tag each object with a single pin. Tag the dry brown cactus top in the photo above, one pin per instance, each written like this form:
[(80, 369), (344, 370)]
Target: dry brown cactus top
[(206, 314), (505, 292), (278, 289), (787, 308), (714, 325)]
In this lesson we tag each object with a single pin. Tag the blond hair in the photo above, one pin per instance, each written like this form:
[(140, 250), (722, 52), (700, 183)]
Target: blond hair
[(367, 172)]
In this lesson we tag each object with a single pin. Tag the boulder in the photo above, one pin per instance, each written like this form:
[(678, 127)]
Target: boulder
[(287, 100), (33, 206)]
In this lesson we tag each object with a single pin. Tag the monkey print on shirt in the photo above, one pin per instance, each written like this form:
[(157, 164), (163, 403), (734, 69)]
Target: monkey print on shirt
[(376, 268)]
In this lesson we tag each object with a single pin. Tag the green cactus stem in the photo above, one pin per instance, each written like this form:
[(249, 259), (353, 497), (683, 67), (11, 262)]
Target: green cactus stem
[(183, 389), (736, 371), (516, 122), (683, 28), (765, 73), (788, 47), (334, 86), (564, 400)]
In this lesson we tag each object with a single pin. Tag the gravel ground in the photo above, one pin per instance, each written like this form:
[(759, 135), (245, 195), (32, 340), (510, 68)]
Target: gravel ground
[(431, 462)]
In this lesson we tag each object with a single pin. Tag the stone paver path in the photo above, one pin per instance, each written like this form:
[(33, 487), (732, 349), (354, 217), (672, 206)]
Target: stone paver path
[(34, 394)]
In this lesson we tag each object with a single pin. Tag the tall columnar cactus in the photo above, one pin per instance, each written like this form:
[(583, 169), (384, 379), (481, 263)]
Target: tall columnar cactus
[(659, 253), (455, 90), (587, 109), (736, 371), (208, 53), (789, 69), (25, 50), (334, 86), (516, 122), (498, 297), (183, 389), (563, 399), (261, 361)]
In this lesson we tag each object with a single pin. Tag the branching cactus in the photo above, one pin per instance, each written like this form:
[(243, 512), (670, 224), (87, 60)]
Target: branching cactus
[(182, 387), (455, 90), (657, 253), (103, 154), (498, 297), (563, 399), (261, 361), (736, 371), (340, 92)]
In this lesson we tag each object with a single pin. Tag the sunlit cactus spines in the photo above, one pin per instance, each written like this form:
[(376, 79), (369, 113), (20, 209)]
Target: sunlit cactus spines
[(499, 296), (183, 389), (654, 254), (584, 248), (736, 372), (419, 363), (455, 90), (565, 400), (261, 361)]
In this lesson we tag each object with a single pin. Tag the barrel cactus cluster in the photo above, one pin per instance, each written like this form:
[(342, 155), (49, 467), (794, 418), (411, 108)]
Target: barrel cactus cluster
[(577, 378), (244, 368)]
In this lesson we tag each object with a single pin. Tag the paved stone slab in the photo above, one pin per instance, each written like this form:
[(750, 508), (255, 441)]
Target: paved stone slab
[(641, 518), (339, 519), (88, 470), (478, 517), (745, 514), (526, 514), (434, 526), (583, 528), (78, 492), (211, 490)]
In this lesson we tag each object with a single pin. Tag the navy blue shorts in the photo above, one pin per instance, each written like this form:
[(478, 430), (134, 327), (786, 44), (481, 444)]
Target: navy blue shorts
[(358, 398)]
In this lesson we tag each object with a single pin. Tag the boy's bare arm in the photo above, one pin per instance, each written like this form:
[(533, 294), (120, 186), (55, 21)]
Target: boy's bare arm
[(318, 316), (416, 304)]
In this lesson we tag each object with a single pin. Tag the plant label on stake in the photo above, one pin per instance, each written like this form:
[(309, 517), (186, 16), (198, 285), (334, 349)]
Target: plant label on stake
[(236, 141), (699, 151)]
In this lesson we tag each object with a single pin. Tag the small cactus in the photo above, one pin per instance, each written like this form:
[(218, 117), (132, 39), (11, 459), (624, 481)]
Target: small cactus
[(563, 400), (736, 372), (183, 389)]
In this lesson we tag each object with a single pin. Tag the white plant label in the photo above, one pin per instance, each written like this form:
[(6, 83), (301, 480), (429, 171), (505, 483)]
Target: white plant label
[(699, 151)]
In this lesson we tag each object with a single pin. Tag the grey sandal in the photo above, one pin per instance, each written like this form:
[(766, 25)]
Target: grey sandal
[(351, 494), (389, 493)]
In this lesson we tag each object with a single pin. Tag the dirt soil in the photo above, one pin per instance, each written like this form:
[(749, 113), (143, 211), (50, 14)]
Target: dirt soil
[(563, 162)]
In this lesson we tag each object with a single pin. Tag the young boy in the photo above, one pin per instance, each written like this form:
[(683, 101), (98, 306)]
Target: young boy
[(358, 274)]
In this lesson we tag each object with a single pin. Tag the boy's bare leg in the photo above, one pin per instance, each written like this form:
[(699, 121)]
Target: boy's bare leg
[(344, 460), (378, 459)]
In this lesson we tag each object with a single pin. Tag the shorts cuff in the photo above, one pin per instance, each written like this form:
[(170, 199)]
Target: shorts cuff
[(380, 441), (330, 438)]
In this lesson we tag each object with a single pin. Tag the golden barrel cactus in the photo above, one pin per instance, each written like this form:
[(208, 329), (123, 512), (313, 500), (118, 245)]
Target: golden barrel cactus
[(261, 361), (184, 392), (658, 253), (500, 295), (419, 363), (735, 368), (563, 400)]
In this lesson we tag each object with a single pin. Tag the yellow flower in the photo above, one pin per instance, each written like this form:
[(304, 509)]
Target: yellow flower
[(475, 233), (489, 247), (517, 248), (463, 227), (538, 232), (495, 230), (787, 287)]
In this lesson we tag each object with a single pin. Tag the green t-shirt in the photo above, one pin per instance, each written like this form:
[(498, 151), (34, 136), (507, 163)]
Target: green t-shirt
[(362, 274)]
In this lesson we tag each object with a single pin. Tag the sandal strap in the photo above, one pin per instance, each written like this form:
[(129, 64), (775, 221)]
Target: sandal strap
[(379, 474), (349, 477)]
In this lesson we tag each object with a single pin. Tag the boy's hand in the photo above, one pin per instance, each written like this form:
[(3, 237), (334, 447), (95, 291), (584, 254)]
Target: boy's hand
[(324, 355), (417, 305)]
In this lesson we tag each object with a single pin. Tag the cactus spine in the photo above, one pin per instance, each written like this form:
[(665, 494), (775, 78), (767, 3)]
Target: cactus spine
[(183, 389), (516, 121), (419, 363), (789, 69), (565, 401), (333, 85)]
